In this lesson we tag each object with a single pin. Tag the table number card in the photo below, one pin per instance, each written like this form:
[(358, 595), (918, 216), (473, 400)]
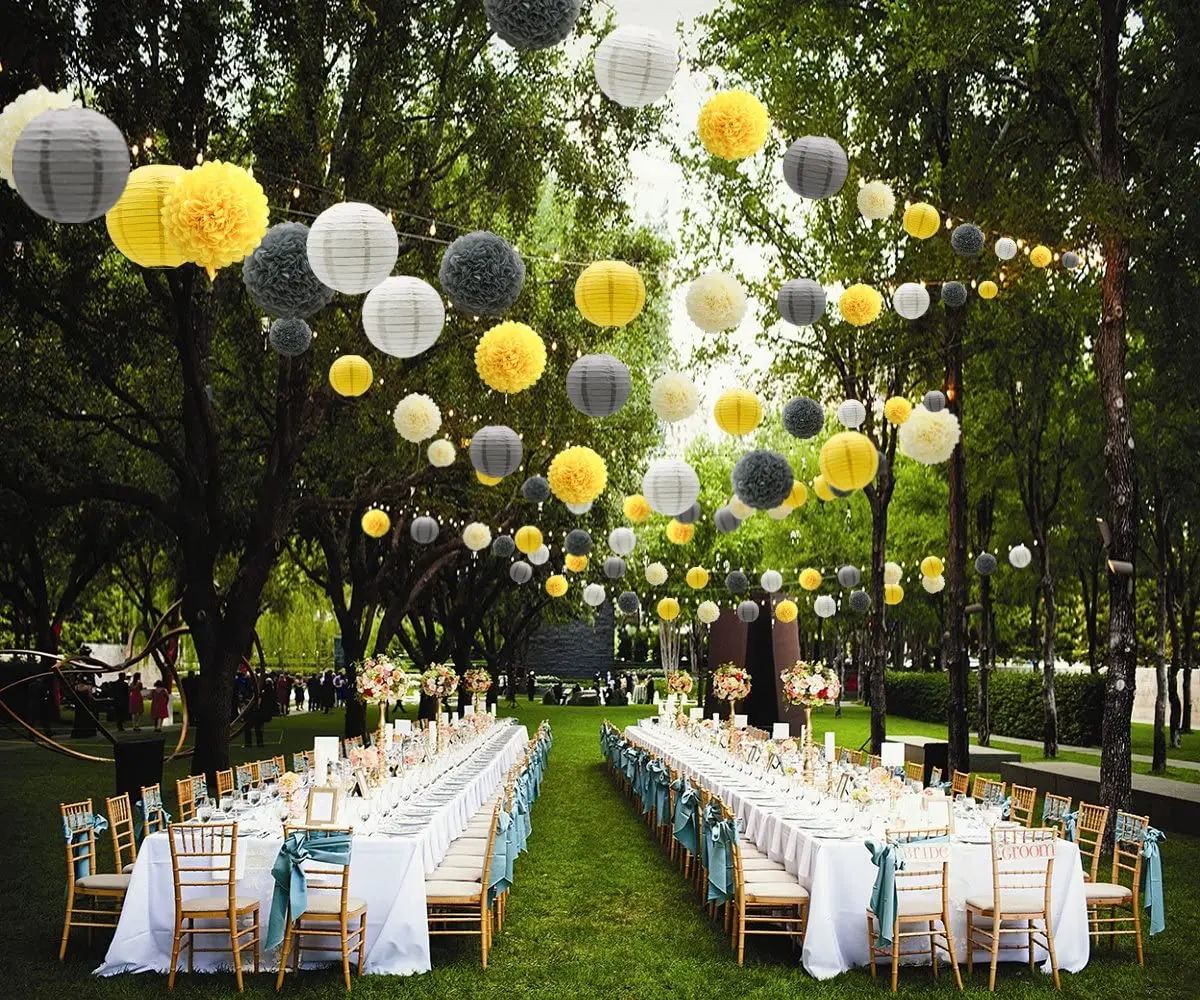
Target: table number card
[(322, 805), (892, 755), (780, 731), (830, 745)]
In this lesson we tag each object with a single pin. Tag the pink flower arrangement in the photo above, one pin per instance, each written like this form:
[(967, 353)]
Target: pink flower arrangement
[(679, 682), (365, 757), (731, 682), (477, 681), (439, 681), (810, 684), (380, 681)]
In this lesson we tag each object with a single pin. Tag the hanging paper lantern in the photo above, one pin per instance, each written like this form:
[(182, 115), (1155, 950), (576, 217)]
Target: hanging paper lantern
[(1006, 249), (424, 530), (614, 567), (697, 578), (748, 611), (636, 509), (510, 357), (1020, 556), (848, 576), (539, 556), (988, 289), (954, 294), (593, 595), (18, 113), (71, 165), (985, 564), (739, 509), (1040, 256), (798, 497), (532, 24), (707, 612), (860, 305), (215, 214), (376, 523), (892, 572), (656, 574), (1070, 260), (725, 520), (932, 566), (481, 274), (576, 564), (635, 66), (577, 475), (715, 301), (893, 593), (289, 337), (875, 201), (691, 515), (418, 418), (277, 274), (860, 602), (921, 220), (822, 490), (503, 546), (579, 508), (610, 293), (825, 606), (350, 375), (771, 581), (733, 125), (487, 480), (851, 413), (536, 489), (578, 542), (496, 451), (528, 539), (966, 240), (520, 572), (352, 247), (622, 541), (897, 410), (934, 400), (786, 612), (736, 581), (929, 437), (737, 411), (933, 584), (679, 533), (135, 222), (911, 300), (670, 486), (778, 513), (403, 316), (673, 397), (803, 417), (849, 461), (477, 536), (810, 579), (801, 301), (815, 166), (629, 603), (556, 585), (762, 479), (440, 453), (598, 384), (668, 609)]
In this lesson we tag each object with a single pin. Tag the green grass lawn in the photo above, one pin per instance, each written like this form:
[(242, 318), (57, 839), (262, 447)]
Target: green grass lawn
[(597, 911)]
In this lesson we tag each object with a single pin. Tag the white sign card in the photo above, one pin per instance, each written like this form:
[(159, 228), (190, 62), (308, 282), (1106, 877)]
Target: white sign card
[(780, 731), (322, 805)]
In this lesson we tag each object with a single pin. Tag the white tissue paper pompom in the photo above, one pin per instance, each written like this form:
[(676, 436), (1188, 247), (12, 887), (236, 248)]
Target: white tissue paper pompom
[(673, 397), (716, 302), (417, 417), (929, 438), (20, 112)]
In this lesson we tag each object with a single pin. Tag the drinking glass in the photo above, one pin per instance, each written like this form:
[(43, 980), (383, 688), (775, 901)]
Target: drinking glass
[(204, 810), (226, 805), (254, 796)]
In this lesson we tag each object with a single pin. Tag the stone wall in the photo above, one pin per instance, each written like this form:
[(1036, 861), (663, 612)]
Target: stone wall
[(576, 648)]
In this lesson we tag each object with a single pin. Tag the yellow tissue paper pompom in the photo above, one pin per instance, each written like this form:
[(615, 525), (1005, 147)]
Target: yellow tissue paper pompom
[(786, 611), (487, 480), (577, 475), (897, 410), (510, 357), (821, 489), (860, 305), (893, 593), (215, 214), (556, 585), (921, 220), (528, 539), (680, 534), (697, 578), (988, 289), (810, 579), (376, 523), (737, 411), (799, 495), (668, 609), (350, 375), (849, 461), (1040, 256), (135, 222), (636, 508), (610, 293), (733, 125), (576, 564), (932, 566)]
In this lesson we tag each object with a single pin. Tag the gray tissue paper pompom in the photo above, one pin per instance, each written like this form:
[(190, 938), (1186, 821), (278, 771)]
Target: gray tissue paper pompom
[(614, 567), (536, 489), (290, 337), (628, 603), (532, 24), (803, 417), (725, 520), (503, 546), (762, 479), (849, 576), (967, 240), (860, 601), (278, 276), (954, 294), (482, 274), (736, 581), (985, 564), (1070, 260), (578, 543)]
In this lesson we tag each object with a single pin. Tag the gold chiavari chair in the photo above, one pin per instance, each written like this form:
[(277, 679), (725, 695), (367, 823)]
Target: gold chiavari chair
[(243, 777), (224, 783), (189, 791), (456, 908), (302, 762), (922, 901), (280, 764), (204, 859), (1054, 808), (1020, 810), (1022, 874), (763, 902), (874, 760), (1089, 835), (120, 826), (959, 783), (154, 816), (1120, 902), (329, 903), (989, 791), (102, 895), (914, 772), (977, 787), (856, 758), (268, 771)]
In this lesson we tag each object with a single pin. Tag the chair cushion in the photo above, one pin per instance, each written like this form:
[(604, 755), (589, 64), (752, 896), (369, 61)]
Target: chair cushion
[(1106, 890), (106, 883), (766, 875), (471, 846), (775, 890), (919, 902), (760, 865), (478, 829), (1010, 902), (452, 890), (748, 850), (128, 868), (217, 904), (458, 872), (331, 903)]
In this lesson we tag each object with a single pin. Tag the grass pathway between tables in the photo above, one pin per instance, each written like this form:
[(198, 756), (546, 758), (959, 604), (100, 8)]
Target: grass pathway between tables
[(597, 910)]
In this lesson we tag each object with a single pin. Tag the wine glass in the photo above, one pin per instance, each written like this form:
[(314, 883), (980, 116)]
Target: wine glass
[(226, 805), (254, 796), (204, 810)]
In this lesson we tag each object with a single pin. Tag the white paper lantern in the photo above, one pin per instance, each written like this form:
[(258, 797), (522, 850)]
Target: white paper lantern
[(403, 316), (933, 584), (520, 572), (635, 66), (539, 556), (771, 581), (579, 508), (656, 574), (477, 536), (825, 606), (851, 413), (707, 612), (1006, 249), (622, 541), (670, 486), (352, 247), (892, 572), (424, 530), (911, 300), (1020, 556), (593, 595)]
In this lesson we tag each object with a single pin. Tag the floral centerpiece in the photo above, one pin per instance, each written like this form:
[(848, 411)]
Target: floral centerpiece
[(289, 783), (439, 681), (477, 681), (731, 683), (679, 682), (809, 685), (380, 681)]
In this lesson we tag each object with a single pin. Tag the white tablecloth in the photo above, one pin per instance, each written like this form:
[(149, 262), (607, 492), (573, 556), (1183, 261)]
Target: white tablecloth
[(840, 875), (388, 872)]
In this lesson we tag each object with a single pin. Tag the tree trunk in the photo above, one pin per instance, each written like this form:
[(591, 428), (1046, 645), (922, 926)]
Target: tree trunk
[(983, 718), (1176, 709), (1049, 707), (956, 555), (877, 637), (354, 648), (1188, 625), (1162, 520)]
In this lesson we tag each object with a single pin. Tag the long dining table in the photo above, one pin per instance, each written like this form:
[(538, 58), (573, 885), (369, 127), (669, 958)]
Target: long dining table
[(839, 874)]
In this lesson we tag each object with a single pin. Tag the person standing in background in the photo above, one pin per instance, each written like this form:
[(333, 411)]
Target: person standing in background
[(160, 699), (137, 704), (531, 683), (120, 697), (283, 692), (298, 690)]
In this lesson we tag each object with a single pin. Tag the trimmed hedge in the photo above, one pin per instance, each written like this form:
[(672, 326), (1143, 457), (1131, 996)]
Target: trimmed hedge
[(1016, 702)]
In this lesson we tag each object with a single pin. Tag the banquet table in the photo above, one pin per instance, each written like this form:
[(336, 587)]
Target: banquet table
[(839, 874), (386, 870)]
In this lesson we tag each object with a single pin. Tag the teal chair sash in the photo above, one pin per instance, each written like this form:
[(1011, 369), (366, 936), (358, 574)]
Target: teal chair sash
[(75, 831), (290, 884), (658, 785), (500, 870), (145, 811), (883, 894), (687, 816), (1053, 812), (1069, 822), (1152, 888), (719, 837)]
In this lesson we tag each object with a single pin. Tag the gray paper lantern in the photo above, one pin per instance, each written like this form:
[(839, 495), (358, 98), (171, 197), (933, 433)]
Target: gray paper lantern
[(482, 274), (614, 567), (825, 606), (849, 576), (520, 572), (801, 301), (496, 451), (424, 530), (622, 541), (736, 581), (762, 479), (803, 417), (578, 542), (536, 489), (1020, 556), (503, 546), (290, 337), (860, 602), (771, 581), (815, 166), (851, 413), (934, 400), (985, 564), (70, 164), (911, 300), (670, 486), (539, 556), (628, 603), (532, 24), (635, 66), (725, 520), (352, 247), (598, 384), (278, 277), (403, 316), (967, 240), (691, 515), (1006, 248), (1070, 260), (748, 611), (954, 294)]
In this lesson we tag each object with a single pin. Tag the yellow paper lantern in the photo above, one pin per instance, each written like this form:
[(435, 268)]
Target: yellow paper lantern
[(556, 585), (376, 523), (897, 410), (135, 222), (1040, 256), (528, 539), (350, 375), (668, 609), (637, 508), (737, 411), (697, 578), (860, 305), (786, 611), (487, 480), (799, 495), (821, 489), (849, 461), (577, 475), (893, 593), (576, 564), (988, 289), (932, 566), (510, 357), (610, 293), (921, 220), (810, 579), (680, 534)]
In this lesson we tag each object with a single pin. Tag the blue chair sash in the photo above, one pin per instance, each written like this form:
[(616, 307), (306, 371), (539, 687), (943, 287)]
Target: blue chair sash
[(500, 869), (76, 832), (687, 805), (1069, 822), (146, 811), (1152, 888), (719, 837), (884, 902), (658, 784), (290, 884)]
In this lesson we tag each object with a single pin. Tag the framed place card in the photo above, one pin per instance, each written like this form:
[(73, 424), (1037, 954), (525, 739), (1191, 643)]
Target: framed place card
[(322, 805), (361, 786)]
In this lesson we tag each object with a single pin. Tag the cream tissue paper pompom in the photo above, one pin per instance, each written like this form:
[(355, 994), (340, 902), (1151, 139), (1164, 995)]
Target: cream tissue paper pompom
[(716, 302), (929, 437), (417, 417)]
